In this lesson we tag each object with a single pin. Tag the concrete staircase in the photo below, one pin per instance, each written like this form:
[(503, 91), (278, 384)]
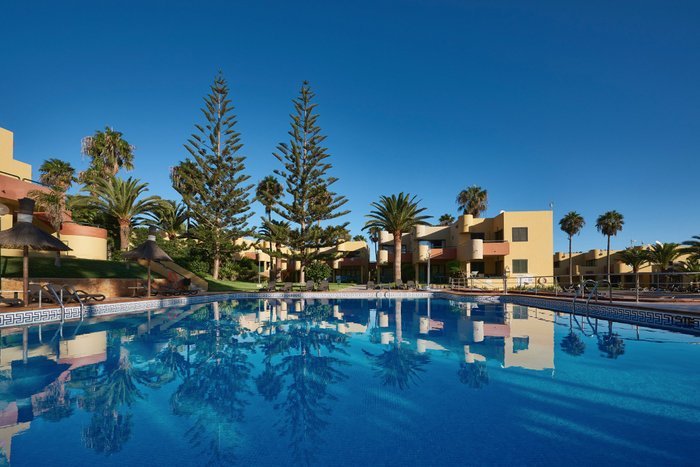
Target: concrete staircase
[(168, 269)]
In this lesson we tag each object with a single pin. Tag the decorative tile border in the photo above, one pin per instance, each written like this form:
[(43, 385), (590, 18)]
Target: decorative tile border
[(645, 317), (662, 319)]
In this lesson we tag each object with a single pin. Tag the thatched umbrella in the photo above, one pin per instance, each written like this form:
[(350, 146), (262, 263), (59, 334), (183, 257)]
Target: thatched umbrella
[(24, 235), (150, 251)]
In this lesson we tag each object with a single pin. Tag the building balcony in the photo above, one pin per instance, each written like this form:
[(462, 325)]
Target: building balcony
[(13, 188), (348, 262), (496, 247), (405, 257)]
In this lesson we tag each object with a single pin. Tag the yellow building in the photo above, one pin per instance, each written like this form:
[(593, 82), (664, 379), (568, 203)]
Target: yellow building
[(518, 244), (16, 183), (351, 263)]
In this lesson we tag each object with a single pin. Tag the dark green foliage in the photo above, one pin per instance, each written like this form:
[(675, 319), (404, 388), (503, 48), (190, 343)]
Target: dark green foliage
[(318, 271), (211, 181), (310, 199)]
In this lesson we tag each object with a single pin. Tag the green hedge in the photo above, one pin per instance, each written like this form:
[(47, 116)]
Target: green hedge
[(72, 268)]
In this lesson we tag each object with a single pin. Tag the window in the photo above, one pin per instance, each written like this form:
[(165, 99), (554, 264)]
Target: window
[(478, 235), (498, 235), (437, 243), (590, 262), (557, 264), (519, 266), (520, 234)]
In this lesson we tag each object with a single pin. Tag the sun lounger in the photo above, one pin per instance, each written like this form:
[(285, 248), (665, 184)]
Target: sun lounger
[(43, 293), (324, 286), (271, 287), (411, 285), (11, 301), (370, 285), (71, 294), (400, 284), (309, 286), (287, 287)]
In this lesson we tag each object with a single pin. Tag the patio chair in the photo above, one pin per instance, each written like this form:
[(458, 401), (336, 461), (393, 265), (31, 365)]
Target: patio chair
[(287, 287), (324, 286), (71, 294), (370, 285), (411, 285), (400, 284), (309, 286), (271, 287)]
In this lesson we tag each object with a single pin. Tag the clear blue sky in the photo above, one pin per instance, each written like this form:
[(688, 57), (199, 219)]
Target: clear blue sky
[(591, 105)]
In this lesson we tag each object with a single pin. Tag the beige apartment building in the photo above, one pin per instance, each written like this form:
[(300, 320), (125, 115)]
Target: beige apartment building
[(516, 244), (351, 263)]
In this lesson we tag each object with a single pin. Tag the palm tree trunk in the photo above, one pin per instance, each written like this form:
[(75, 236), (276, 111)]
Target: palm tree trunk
[(608, 258), (397, 256), (25, 275), (149, 278), (571, 265), (124, 233)]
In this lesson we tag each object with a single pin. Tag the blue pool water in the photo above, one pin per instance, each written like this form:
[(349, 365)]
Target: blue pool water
[(349, 382)]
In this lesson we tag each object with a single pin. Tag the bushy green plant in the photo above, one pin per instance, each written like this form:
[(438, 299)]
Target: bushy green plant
[(198, 266), (229, 271), (318, 271), (247, 269)]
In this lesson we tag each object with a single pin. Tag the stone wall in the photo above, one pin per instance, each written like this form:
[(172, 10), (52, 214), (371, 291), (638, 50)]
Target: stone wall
[(108, 287)]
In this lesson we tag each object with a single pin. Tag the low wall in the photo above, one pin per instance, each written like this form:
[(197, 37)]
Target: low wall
[(108, 287)]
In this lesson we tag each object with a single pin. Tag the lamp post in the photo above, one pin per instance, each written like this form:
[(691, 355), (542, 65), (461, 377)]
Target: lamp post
[(506, 273)]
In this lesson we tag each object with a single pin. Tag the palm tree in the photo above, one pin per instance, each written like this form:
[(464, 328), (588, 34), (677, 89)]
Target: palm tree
[(446, 219), (170, 218), (571, 224), (473, 200), (109, 152), (397, 215), (122, 200), (693, 247), (635, 257), (663, 255), (609, 224), (359, 238), (58, 175), (268, 192)]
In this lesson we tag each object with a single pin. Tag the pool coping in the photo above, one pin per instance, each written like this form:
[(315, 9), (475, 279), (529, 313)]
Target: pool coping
[(667, 319)]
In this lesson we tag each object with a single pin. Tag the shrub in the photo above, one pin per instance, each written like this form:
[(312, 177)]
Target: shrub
[(228, 271), (198, 266), (318, 271)]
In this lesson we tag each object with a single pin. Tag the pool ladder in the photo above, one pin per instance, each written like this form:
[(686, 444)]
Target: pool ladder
[(593, 292)]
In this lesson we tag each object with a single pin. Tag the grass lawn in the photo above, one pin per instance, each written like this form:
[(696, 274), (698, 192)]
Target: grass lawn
[(240, 286), (72, 268)]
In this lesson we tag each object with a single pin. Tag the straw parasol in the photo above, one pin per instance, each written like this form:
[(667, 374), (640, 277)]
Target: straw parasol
[(24, 235), (150, 251)]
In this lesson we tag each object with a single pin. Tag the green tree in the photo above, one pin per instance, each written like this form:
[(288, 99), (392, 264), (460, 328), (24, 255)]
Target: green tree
[(170, 218), (397, 215), (663, 255), (310, 201), (473, 200), (318, 271), (123, 201), (58, 176), (571, 224), (635, 257), (268, 192), (692, 247), (374, 238), (108, 152), (447, 219), (359, 238), (609, 224), (212, 181)]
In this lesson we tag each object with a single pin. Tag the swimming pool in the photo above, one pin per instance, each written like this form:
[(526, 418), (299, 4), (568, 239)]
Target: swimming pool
[(346, 382)]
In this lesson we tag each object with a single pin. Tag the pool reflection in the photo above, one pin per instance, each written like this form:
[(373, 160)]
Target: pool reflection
[(217, 363)]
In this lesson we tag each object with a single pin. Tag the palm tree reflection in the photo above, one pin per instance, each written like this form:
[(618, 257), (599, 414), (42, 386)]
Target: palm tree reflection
[(398, 366), (473, 374), (572, 343), (611, 344)]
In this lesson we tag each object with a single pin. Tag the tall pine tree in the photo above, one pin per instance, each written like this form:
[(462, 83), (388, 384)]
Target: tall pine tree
[(212, 182), (310, 202)]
